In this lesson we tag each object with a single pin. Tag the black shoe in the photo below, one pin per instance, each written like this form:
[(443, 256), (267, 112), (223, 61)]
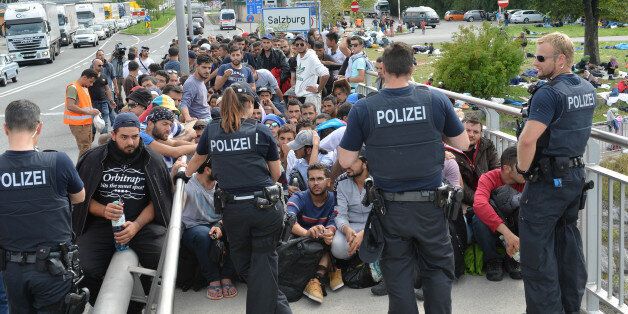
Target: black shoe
[(494, 270), (513, 268), (380, 289), (418, 293)]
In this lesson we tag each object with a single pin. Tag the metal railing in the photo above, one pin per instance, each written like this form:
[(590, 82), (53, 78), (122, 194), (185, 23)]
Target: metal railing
[(604, 221)]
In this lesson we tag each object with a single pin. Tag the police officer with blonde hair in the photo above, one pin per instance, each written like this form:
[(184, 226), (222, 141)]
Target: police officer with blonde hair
[(549, 154)]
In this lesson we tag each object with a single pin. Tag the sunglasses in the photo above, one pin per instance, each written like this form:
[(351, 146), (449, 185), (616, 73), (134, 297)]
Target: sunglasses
[(540, 58), (272, 125), (299, 44), (355, 45)]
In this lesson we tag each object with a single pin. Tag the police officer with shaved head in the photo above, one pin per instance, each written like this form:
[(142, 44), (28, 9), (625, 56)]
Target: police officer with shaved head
[(245, 161), (549, 154), (37, 190), (403, 127)]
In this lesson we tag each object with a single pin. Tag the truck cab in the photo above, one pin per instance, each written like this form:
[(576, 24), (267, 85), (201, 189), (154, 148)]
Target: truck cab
[(32, 31)]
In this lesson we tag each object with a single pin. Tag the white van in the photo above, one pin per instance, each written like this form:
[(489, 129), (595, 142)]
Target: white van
[(227, 19)]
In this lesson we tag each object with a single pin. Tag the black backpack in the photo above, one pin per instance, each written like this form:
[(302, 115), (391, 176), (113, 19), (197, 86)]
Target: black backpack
[(298, 259), (458, 233)]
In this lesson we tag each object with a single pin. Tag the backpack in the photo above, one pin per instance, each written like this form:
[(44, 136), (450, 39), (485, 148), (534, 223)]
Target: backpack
[(298, 259), (188, 271), (355, 273), (458, 233), (369, 64)]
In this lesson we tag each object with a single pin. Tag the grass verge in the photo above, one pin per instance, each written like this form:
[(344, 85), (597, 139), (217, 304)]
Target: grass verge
[(569, 30), (140, 29)]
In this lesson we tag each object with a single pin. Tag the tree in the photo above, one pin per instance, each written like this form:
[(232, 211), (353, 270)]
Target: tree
[(479, 60), (591, 18)]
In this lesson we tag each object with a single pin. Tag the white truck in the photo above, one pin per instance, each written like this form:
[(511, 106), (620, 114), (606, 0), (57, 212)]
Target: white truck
[(380, 8), (32, 31), (68, 22), (90, 13)]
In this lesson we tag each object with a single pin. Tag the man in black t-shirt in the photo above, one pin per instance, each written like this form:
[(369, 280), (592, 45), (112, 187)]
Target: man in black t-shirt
[(101, 95), (123, 167)]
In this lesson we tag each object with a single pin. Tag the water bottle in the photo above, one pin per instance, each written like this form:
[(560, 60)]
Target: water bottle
[(295, 182), (116, 226), (515, 256)]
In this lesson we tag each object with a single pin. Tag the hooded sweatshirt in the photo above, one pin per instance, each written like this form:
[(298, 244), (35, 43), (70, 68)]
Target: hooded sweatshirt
[(309, 69)]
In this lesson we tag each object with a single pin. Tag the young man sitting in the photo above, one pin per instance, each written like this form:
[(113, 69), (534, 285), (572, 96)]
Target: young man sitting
[(314, 209), (496, 187)]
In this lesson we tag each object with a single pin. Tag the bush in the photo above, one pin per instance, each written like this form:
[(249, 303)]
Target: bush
[(480, 61)]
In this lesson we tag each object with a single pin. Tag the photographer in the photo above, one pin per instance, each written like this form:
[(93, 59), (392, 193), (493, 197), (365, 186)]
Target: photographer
[(117, 61)]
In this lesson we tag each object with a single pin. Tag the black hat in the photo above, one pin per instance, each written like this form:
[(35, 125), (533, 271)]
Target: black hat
[(141, 96), (215, 113), (263, 89), (299, 37), (373, 244)]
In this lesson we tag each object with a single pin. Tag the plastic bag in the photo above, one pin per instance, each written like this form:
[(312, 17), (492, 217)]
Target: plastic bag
[(99, 124)]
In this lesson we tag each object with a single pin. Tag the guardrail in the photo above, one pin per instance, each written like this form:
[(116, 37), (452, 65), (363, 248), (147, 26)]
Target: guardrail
[(602, 223)]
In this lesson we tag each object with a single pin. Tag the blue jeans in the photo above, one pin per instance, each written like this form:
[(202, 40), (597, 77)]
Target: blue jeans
[(107, 113), (198, 241), (4, 306), (486, 239)]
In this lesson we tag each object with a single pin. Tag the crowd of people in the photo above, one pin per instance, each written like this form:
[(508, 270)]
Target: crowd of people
[(301, 89)]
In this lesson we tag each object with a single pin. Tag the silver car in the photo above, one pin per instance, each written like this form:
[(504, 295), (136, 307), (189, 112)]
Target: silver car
[(8, 70), (527, 16)]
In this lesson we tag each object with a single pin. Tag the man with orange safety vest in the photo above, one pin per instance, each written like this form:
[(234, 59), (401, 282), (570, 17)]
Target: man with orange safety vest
[(78, 113)]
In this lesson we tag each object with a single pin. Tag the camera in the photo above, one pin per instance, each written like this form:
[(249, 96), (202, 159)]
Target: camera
[(119, 51)]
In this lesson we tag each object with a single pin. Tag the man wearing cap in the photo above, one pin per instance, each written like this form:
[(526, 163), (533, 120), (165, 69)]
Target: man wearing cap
[(307, 151), (273, 60), (273, 122), (138, 101), (79, 112), (194, 102), (266, 101), (116, 177), (144, 60), (311, 75), (156, 136)]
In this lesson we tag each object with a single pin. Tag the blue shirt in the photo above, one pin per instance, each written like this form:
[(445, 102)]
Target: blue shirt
[(359, 128), (308, 215), (243, 75)]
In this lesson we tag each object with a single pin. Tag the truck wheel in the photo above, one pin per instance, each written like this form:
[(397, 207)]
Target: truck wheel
[(14, 79), (4, 81), (433, 26), (75, 45)]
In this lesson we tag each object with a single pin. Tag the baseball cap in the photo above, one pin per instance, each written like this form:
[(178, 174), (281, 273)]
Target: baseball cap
[(267, 36), (300, 37), (206, 46), (166, 102), (126, 119), (274, 118), (304, 138), (141, 96), (263, 89), (191, 54)]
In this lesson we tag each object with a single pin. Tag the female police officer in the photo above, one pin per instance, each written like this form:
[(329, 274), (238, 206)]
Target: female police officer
[(245, 160)]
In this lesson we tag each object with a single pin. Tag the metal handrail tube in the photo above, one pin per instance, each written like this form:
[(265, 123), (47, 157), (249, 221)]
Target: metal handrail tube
[(171, 260), (117, 287)]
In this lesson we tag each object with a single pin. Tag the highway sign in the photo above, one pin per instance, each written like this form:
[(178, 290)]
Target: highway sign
[(288, 19)]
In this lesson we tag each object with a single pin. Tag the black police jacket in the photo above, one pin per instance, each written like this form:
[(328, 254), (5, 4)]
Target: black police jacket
[(90, 169)]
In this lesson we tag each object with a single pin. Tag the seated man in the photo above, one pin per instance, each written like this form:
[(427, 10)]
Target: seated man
[(157, 136), (314, 209), (114, 172), (306, 152), (494, 186), (203, 226), (473, 162)]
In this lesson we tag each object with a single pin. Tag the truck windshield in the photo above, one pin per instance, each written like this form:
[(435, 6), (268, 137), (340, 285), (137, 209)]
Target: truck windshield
[(61, 19), (85, 15), (25, 29)]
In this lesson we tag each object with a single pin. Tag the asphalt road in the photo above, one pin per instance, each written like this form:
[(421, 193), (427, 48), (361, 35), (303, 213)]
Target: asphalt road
[(44, 84)]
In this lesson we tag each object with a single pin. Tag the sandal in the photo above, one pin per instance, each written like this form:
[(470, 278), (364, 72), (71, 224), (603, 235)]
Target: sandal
[(214, 292), (229, 290)]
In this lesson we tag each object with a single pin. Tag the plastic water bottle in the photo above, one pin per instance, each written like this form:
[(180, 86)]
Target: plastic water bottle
[(515, 256), (116, 225)]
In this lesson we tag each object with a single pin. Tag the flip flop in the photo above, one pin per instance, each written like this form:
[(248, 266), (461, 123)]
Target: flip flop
[(215, 292), (229, 290)]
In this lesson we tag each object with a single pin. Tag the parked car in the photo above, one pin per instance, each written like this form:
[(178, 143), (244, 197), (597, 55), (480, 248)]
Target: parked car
[(478, 15), (111, 25), (100, 31), (454, 15), (85, 36), (8, 70), (527, 16), (122, 24)]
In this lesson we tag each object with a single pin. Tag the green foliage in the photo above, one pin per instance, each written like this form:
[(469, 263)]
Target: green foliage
[(479, 60), (157, 23)]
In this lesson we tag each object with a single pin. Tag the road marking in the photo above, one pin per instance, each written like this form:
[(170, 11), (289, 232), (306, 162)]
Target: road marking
[(57, 106)]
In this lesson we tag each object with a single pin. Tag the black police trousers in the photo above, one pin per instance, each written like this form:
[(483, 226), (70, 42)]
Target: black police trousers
[(96, 248), (552, 262), (416, 236), (32, 291), (253, 235)]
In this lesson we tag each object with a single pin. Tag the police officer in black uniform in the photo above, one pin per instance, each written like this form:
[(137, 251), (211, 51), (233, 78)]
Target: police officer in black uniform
[(549, 155), (36, 189), (245, 162), (403, 127)]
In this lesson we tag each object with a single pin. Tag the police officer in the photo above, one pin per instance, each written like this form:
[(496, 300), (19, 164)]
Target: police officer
[(549, 156), (36, 189), (403, 127), (245, 161)]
